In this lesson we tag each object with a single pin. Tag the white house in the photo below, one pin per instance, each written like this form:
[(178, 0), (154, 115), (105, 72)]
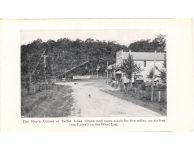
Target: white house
[(145, 59)]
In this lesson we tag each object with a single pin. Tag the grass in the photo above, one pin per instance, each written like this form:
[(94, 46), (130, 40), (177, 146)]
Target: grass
[(152, 105), (54, 102)]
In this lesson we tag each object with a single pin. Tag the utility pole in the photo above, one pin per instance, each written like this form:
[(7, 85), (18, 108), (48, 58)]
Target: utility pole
[(44, 57), (98, 67), (152, 94), (97, 73)]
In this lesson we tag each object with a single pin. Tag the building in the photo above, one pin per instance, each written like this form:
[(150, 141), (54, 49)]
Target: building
[(146, 60)]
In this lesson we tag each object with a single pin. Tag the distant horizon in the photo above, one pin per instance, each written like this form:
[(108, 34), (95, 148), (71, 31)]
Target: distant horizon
[(121, 36)]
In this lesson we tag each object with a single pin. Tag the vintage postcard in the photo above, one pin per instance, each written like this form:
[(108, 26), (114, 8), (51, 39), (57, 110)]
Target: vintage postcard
[(96, 75)]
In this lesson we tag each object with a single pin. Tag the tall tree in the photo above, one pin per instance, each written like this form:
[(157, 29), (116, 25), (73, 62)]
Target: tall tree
[(130, 68), (159, 43), (163, 75)]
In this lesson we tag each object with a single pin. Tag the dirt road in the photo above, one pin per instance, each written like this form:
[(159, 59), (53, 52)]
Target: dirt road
[(91, 101)]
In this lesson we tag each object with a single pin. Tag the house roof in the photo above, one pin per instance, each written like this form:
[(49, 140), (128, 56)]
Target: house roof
[(145, 56)]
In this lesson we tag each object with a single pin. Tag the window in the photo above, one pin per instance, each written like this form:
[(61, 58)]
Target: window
[(144, 63)]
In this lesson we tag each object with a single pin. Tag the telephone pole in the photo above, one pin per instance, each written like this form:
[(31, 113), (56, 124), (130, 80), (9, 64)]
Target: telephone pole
[(152, 94), (44, 61), (97, 69)]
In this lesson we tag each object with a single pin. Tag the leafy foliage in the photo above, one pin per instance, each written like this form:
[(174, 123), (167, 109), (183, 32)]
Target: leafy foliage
[(130, 68), (158, 44), (163, 75), (65, 54), (151, 73)]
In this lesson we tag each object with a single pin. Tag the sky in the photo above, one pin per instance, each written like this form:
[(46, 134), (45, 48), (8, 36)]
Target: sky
[(121, 36)]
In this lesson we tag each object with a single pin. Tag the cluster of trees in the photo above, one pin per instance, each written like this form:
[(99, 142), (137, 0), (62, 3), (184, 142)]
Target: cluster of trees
[(65, 54), (158, 44)]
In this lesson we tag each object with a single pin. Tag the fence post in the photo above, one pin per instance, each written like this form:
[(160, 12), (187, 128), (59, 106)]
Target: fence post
[(159, 96)]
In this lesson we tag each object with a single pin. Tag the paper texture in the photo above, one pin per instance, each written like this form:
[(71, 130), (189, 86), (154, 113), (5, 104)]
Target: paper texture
[(179, 72)]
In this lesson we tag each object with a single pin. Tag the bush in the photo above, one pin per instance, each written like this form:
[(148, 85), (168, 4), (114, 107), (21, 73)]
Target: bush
[(122, 87), (162, 86), (143, 86)]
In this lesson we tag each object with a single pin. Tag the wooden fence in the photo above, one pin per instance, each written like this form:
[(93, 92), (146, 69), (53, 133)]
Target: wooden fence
[(160, 95), (35, 87)]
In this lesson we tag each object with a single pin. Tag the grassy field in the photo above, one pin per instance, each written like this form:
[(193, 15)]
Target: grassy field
[(54, 102)]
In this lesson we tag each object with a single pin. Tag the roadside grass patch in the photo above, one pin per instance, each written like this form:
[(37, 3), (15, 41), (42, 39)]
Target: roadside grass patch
[(158, 107), (48, 103)]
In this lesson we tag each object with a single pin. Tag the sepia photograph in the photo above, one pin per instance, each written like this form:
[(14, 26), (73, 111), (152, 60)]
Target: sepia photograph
[(93, 73)]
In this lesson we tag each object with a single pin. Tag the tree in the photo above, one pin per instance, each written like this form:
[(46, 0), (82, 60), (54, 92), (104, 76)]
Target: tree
[(158, 44), (141, 46), (64, 54), (130, 68), (163, 75), (151, 73)]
